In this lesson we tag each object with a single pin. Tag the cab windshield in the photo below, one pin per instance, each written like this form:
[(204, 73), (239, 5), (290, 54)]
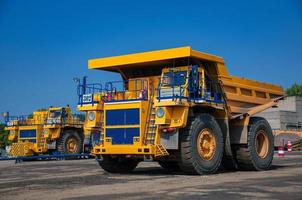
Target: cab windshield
[(174, 78), (55, 114)]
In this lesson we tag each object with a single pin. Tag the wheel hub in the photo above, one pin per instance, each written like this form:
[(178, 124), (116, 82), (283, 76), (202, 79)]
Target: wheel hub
[(261, 143), (72, 145), (206, 144)]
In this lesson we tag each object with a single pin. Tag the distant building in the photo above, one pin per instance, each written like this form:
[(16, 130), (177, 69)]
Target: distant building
[(287, 116)]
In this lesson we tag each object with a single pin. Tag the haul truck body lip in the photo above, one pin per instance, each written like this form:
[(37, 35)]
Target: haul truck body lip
[(160, 57), (152, 116)]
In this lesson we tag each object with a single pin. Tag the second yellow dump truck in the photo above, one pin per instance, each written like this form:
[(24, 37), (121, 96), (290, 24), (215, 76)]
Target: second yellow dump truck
[(55, 130), (179, 107)]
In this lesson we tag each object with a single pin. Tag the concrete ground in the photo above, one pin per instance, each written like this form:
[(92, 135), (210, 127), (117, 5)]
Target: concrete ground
[(84, 179)]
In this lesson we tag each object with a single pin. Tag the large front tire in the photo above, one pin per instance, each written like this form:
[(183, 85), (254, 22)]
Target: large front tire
[(70, 142), (201, 145), (259, 152), (118, 165)]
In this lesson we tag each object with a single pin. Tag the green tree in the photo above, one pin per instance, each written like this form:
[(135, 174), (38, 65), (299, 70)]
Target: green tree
[(3, 137), (294, 90)]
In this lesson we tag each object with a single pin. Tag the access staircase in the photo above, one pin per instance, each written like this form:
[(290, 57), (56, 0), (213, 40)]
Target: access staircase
[(42, 141), (151, 129)]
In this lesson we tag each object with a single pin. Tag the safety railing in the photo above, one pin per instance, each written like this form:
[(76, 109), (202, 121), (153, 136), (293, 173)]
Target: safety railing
[(173, 92), (88, 92), (28, 120), (130, 90), (90, 88), (209, 92), (76, 119), (25, 120)]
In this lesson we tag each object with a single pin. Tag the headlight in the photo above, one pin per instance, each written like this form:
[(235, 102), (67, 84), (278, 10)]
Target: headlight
[(91, 116), (160, 112)]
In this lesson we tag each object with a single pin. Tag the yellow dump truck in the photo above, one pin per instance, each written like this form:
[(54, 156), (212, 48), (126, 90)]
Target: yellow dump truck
[(46, 132), (179, 107)]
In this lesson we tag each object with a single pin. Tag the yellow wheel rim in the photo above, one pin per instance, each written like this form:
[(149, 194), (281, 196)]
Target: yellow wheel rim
[(72, 145), (206, 144), (261, 143)]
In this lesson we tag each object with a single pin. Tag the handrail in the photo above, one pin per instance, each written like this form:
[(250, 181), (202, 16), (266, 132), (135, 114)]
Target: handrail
[(113, 91), (85, 89), (150, 107), (116, 90), (25, 120), (28, 120)]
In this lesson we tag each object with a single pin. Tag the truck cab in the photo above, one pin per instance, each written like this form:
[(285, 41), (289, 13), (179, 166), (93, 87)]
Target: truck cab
[(57, 119), (58, 115)]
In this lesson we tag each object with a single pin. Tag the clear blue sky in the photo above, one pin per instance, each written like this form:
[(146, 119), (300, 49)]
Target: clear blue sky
[(44, 44)]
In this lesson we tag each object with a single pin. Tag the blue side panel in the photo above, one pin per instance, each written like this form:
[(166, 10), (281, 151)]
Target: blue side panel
[(122, 135), (132, 116), (115, 117), (130, 133), (122, 117), (117, 135), (27, 133)]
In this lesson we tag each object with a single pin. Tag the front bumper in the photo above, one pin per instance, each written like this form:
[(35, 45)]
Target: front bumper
[(124, 150)]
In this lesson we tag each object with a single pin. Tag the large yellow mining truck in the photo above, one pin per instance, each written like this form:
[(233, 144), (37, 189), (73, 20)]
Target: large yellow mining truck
[(46, 132), (179, 107)]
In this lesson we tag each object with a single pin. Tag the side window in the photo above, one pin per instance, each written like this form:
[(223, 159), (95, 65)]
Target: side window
[(64, 113), (174, 78)]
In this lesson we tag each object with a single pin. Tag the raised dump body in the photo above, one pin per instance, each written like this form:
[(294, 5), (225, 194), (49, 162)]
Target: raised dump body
[(45, 132), (182, 108)]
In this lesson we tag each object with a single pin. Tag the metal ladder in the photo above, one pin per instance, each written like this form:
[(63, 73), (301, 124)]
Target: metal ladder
[(151, 129), (101, 125), (42, 141), (161, 151)]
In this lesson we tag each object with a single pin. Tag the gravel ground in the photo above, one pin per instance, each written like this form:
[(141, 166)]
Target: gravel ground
[(84, 179)]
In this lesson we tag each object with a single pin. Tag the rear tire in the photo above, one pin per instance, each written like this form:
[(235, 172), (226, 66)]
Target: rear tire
[(118, 165), (70, 142), (259, 152), (201, 145)]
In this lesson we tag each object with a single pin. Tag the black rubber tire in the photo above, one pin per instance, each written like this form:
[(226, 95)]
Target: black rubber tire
[(189, 160), (247, 156), (228, 164), (169, 165), (65, 136), (118, 165)]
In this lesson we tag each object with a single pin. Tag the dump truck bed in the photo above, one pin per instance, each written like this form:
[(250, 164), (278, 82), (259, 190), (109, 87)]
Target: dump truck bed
[(241, 94), (244, 94)]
